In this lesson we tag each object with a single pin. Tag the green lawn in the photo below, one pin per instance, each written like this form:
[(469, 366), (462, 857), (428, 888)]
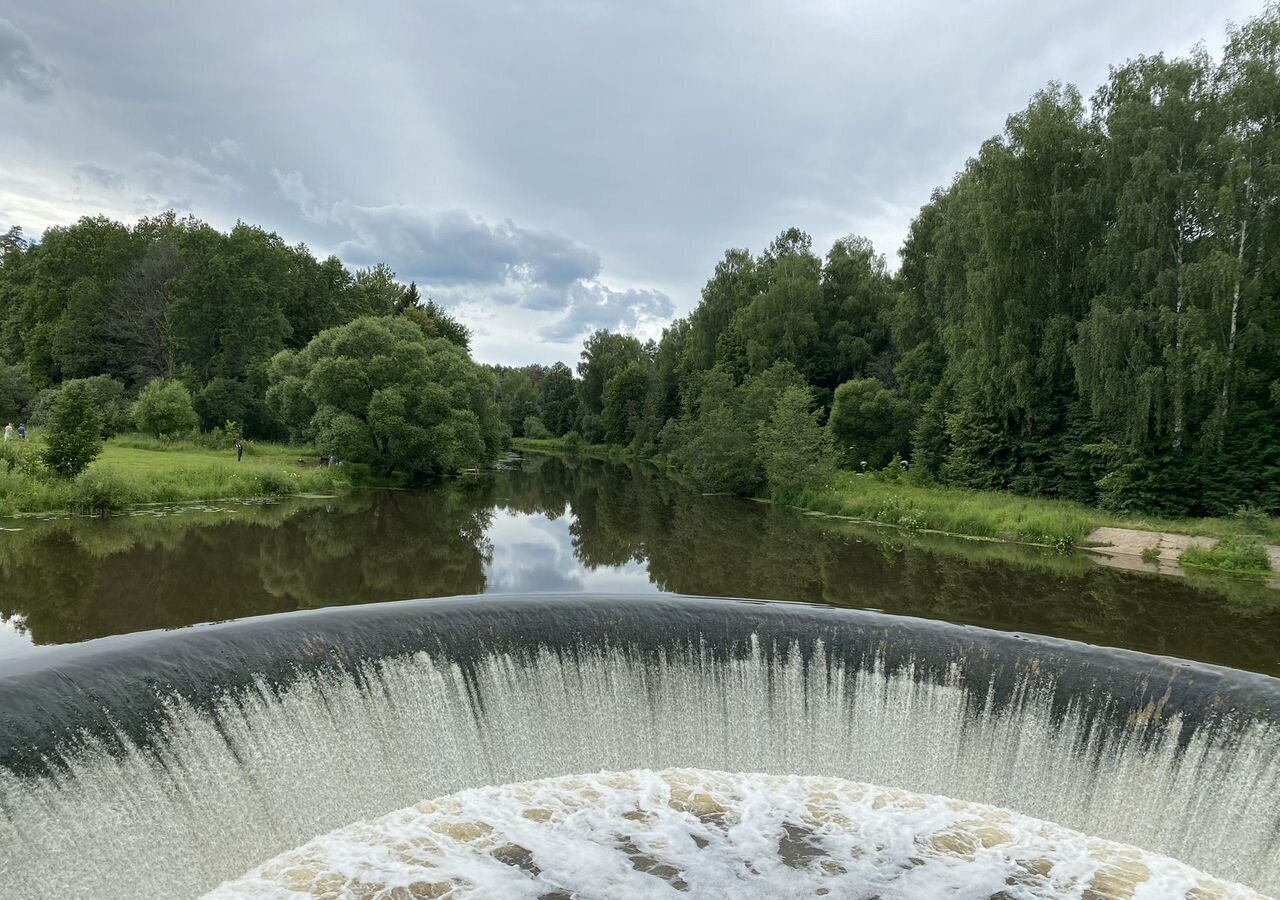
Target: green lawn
[(134, 469)]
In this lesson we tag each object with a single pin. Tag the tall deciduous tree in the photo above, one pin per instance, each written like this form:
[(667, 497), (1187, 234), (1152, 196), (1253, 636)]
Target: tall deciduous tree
[(379, 391)]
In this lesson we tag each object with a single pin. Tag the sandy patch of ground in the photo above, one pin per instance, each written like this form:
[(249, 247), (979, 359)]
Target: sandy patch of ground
[(1123, 548)]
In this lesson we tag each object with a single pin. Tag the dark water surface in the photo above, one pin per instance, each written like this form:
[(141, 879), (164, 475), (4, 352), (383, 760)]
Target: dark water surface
[(548, 525)]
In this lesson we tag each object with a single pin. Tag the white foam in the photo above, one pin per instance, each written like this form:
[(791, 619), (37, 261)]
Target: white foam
[(695, 833)]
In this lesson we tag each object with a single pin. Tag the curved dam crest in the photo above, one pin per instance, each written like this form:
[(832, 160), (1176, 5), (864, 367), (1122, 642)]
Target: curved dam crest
[(164, 763)]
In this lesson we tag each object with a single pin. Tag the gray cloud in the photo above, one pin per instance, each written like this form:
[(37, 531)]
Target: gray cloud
[(295, 190), (21, 68), (453, 255), (451, 248), (592, 306), (181, 175), (98, 176), (633, 144)]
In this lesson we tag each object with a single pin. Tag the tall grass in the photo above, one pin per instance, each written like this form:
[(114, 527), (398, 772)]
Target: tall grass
[(986, 514), (1242, 554), (993, 514)]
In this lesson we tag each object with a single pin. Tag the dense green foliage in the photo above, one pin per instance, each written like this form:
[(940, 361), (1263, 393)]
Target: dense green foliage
[(16, 393), (115, 411), (1089, 311), (381, 391), (173, 324), (793, 446), (164, 409), (73, 437)]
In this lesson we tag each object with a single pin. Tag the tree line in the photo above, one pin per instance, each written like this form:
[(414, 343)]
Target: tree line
[(1090, 310), (171, 324)]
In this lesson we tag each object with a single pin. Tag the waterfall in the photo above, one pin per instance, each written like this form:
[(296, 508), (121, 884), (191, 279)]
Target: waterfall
[(161, 764)]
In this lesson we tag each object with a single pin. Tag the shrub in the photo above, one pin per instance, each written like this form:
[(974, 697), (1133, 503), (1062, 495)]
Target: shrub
[(21, 457), (221, 400), (573, 443), (1253, 518), (795, 450), (15, 391), (533, 428), (99, 493), (592, 428), (895, 470), (108, 400), (869, 422), (275, 484), (73, 438), (378, 391), (164, 409), (40, 411)]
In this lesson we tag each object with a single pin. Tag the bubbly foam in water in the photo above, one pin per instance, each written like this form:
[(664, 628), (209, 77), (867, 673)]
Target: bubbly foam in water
[(694, 833)]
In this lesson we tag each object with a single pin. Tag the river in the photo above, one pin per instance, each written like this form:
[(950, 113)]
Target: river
[(543, 524)]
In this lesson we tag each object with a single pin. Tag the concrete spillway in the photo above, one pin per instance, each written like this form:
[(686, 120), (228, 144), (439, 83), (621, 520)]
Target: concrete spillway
[(162, 764)]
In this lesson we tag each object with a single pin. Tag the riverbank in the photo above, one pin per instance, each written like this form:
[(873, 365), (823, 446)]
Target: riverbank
[(134, 470), (1245, 545), (562, 447), (1240, 545)]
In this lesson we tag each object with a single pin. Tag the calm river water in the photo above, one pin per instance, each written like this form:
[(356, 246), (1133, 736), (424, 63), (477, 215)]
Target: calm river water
[(543, 524)]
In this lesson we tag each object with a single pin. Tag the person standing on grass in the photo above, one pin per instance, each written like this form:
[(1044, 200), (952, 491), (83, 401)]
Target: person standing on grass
[(239, 449), (22, 431), (8, 432)]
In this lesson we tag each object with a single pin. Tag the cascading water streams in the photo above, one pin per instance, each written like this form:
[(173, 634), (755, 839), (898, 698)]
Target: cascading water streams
[(165, 764)]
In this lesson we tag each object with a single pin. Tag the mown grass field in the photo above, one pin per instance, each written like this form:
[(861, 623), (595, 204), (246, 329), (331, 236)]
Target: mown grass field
[(134, 469)]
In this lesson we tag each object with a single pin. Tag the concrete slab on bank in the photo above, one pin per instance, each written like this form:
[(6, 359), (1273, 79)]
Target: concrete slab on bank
[(1130, 548)]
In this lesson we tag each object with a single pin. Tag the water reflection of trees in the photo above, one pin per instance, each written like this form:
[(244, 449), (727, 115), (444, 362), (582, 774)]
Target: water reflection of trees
[(728, 547), (74, 580), (68, 581)]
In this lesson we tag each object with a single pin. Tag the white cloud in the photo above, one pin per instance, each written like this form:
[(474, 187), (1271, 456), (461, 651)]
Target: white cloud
[(227, 150)]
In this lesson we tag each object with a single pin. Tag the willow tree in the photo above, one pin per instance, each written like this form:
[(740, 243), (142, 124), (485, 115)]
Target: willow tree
[(1021, 222), (1179, 350), (379, 391), (1133, 354)]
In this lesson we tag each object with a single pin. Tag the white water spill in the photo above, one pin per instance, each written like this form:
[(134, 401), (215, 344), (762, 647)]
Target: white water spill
[(268, 768), (647, 835)]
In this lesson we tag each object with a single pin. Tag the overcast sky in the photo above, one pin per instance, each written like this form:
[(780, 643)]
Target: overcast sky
[(542, 168)]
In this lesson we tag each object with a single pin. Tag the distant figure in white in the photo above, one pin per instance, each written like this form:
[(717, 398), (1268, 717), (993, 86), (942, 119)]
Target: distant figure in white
[(8, 432)]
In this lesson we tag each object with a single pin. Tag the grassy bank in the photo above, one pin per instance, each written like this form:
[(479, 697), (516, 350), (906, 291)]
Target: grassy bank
[(999, 516), (992, 514), (1239, 554), (561, 447), (134, 469)]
